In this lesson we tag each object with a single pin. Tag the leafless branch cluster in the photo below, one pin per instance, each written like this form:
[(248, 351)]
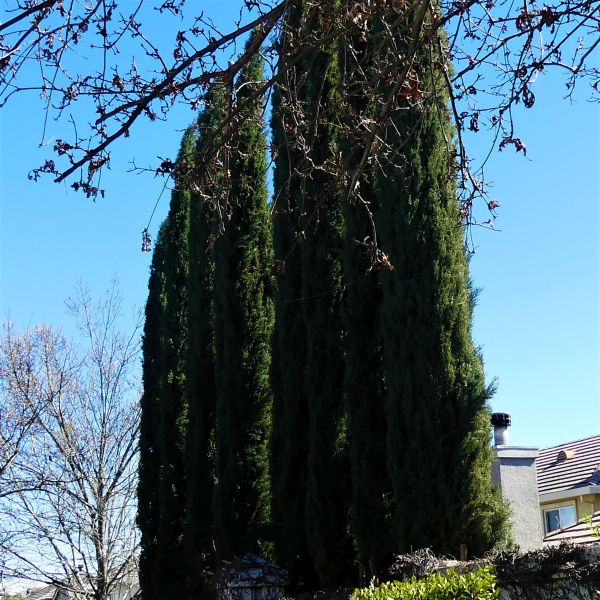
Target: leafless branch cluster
[(23, 369), (102, 66), (67, 512)]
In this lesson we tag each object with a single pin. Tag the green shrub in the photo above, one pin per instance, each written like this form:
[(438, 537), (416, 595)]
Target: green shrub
[(593, 527), (476, 585)]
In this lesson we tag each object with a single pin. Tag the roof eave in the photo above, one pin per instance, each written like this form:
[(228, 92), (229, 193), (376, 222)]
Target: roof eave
[(569, 493)]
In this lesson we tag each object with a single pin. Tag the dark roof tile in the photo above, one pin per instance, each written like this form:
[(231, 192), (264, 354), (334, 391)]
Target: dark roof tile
[(46, 593), (581, 470)]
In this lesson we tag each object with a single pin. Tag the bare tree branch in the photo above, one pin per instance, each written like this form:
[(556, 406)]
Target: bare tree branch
[(488, 53)]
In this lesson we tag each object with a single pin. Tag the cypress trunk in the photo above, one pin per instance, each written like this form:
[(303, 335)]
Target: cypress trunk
[(243, 325)]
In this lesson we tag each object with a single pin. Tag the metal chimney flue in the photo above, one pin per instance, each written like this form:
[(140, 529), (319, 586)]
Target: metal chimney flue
[(501, 422)]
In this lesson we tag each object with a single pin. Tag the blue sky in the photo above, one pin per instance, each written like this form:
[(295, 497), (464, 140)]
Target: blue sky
[(538, 312), (537, 319)]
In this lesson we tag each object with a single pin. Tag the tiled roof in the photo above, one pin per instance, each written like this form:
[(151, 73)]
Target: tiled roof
[(580, 533), (126, 591), (46, 593), (581, 468)]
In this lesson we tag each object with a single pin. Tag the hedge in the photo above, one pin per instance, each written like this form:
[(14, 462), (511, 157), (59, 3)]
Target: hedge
[(475, 585)]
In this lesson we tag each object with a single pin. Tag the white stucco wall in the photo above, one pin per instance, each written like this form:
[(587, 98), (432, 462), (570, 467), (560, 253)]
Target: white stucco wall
[(514, 471)]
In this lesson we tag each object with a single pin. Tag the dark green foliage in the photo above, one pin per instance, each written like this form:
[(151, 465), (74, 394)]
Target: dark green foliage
[(176, 472), (201, 393), (243, 325), (329, 485), (364, 387), (149, 465), (364, 391), (173, 407), (289, 440), (375, 412), (161, 491), (438, 445)]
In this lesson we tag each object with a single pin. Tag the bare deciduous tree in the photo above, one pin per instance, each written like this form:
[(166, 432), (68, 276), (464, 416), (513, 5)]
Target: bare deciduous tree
[(69, 518)]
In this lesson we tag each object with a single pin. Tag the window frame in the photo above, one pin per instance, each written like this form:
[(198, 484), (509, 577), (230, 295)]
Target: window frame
[(558, 507)]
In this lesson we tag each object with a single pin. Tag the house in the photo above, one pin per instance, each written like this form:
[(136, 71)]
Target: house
[(48, 592), (127, 588), (124, 591), (552, 492), (568, 478)]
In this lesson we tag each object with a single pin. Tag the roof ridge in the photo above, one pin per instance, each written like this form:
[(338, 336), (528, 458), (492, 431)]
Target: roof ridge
[(589, 437)]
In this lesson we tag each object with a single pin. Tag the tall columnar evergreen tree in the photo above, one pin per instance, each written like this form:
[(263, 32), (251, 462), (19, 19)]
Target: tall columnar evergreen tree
[(328, 489), (149, 444), (438, 448), (364, 385), (163, 405), (289, 439), (173, 406), (198, 533), (380, 426), (243, 325)]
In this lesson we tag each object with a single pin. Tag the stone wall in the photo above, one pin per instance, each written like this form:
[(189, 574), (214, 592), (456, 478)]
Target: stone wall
[(564, 572)]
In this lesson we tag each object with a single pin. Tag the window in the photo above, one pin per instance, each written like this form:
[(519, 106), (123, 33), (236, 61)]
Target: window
[(559, 518)]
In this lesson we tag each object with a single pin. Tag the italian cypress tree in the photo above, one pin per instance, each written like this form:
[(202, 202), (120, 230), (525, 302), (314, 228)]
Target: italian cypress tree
[(173, 407), (289, 440), (328, 489), (201, 392), (438, 445), (149, 465), (243, 324), (163, 405), (364, 386)]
